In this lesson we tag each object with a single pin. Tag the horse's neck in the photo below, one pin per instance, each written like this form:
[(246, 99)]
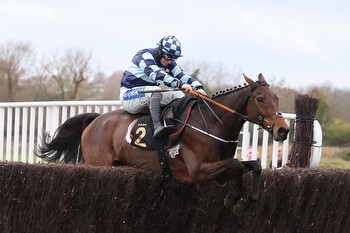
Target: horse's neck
[(231, 123), (237, 102)]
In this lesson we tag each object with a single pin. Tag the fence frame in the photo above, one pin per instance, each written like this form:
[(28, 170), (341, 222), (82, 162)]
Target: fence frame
[(48, 115)]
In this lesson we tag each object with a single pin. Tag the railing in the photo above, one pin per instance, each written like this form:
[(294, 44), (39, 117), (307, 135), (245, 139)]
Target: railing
[(21, 125), (251, 136)]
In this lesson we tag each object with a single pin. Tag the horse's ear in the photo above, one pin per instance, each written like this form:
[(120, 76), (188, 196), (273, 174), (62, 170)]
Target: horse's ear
[(251, 83), (262, 79)]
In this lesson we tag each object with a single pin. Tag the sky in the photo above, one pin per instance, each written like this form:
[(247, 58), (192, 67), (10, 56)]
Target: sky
[(303, 42)]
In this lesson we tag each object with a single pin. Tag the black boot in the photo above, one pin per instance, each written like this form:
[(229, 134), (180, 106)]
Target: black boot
[(159, 130)]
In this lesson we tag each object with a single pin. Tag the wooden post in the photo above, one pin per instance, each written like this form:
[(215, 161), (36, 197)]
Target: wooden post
[(305, 109)]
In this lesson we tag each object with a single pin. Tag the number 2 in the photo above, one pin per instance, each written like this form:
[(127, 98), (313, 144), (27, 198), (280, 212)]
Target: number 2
[(138, 142)]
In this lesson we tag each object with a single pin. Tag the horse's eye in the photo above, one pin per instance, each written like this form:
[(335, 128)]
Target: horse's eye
[(259, 99)]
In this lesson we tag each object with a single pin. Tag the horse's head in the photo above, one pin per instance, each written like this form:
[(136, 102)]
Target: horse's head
[(263, 108)]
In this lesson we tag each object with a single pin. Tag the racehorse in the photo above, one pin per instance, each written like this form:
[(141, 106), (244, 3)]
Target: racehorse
[(205, 151)]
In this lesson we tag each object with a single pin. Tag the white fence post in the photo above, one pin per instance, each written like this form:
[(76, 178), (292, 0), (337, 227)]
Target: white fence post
[(9, 134), (2, 131), (31, 157)]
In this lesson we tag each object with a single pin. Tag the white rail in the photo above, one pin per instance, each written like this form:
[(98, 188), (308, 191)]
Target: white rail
[(21, 125)]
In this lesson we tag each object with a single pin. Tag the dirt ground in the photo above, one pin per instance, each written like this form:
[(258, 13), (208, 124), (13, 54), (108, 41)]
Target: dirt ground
[(74, 198)]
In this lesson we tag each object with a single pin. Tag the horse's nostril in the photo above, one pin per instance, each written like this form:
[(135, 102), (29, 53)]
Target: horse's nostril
[(282, 132)]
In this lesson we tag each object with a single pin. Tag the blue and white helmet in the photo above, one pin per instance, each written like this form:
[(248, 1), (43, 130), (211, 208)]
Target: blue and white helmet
[(170, 46)]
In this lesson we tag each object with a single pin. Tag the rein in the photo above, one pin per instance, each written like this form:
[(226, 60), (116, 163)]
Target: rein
[(261, 117), (216, 103), (245, 117), (205, 98)]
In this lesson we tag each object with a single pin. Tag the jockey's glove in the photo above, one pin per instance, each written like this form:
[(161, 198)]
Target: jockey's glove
[(176, 83)]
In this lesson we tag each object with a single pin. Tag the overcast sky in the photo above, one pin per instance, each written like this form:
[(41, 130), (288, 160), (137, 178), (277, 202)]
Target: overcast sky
[(304, 42)]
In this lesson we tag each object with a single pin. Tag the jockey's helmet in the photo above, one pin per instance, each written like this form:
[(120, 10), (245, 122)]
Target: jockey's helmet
[(170, 46)]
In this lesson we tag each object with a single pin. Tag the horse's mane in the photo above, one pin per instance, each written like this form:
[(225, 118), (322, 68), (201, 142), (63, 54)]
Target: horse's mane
[(229, 90), (235, 89)]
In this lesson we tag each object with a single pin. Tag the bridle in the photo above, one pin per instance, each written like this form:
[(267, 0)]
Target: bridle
[(261, 118)]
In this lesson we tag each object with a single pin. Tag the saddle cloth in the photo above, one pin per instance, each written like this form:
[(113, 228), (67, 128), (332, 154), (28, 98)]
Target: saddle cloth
[(140, 131)]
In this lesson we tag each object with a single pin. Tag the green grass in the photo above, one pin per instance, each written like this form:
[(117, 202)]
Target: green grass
[(335, 157), (334, 163)]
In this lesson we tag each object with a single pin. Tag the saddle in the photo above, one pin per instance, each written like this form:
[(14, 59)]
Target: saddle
[(140, 131)]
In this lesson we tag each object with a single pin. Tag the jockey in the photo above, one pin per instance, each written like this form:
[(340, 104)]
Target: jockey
[(150, 68)]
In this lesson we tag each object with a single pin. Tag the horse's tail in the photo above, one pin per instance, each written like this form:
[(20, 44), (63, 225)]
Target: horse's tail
[(65, 144)]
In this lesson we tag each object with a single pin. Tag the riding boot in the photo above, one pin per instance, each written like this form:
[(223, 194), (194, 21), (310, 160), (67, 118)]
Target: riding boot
[(159, 130)]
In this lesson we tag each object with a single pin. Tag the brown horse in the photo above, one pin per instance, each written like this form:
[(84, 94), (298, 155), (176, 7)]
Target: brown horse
[(205, 150)]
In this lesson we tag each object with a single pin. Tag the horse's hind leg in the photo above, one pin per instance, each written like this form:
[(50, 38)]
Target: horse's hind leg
[(244, 204)]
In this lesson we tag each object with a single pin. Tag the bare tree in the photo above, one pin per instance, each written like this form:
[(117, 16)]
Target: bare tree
[(285, 96), (112, 85), (333, 103), (15, 61), (70, 71), (37, 87), (214, 76)]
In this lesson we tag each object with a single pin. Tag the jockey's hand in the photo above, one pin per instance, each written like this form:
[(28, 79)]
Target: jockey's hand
[(187, 87), (201, 91)]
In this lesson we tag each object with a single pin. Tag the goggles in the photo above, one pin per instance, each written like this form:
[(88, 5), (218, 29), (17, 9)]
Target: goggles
[(169, 58)]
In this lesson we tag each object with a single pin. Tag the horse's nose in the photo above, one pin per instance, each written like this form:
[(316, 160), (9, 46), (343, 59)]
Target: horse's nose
[(282, 133)]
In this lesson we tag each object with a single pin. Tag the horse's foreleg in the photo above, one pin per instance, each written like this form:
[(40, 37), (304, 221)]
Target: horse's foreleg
[(243, 204), (224, 170), (233, 197), (255, 167)]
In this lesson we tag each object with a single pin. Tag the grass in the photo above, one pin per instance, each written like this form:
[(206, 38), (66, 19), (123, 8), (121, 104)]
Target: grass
[(335, 157)]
